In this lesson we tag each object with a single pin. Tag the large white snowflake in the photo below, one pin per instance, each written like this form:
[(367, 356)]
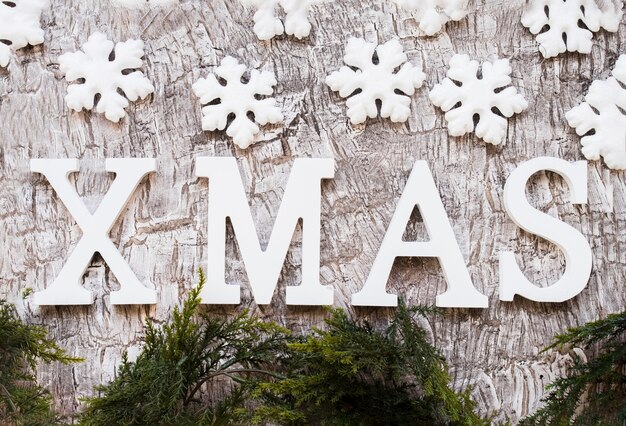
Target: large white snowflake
[(432, 15), (601, 119), (19, 26), (563, 19), (237, 97), (105, 69), (375, 79), (463, 95), (267, 24)]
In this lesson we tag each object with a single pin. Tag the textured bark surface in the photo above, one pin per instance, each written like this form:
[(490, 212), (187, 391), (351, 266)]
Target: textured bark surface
[(162, 233)]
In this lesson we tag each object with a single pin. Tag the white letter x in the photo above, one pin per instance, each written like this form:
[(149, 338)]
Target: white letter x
[(66, 288)]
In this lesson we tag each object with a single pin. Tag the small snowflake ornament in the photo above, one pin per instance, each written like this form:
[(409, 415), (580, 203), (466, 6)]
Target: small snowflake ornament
[(570, 24), (238, 98), (105, 67), (601, 119), (19, 26), (432, 15), (464, 94), (375, 78), (267, 25)]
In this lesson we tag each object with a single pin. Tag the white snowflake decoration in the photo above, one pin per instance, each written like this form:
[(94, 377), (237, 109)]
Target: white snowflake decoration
[(463, 95), (104, 76), (432, 15), (19, 26), (237, 98), (603, 112), (376, 81), (562, 17), (267, 25)]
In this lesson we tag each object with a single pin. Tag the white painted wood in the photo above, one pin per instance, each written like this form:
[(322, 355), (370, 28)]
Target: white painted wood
[(162, 234)]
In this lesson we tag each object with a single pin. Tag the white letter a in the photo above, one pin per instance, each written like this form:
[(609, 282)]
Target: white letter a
[(420, 190)]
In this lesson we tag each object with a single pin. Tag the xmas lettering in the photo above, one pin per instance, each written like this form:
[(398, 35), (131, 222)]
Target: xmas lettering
[(302, 200)]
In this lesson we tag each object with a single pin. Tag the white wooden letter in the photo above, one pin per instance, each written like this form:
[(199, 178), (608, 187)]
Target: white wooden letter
[(227, 198), (66, 288), (420, 190), (573, 244)]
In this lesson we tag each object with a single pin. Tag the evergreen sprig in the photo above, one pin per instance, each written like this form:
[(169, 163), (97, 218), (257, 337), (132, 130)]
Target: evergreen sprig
[(164, 385), (22, 346), (350, 373), (594, 390)]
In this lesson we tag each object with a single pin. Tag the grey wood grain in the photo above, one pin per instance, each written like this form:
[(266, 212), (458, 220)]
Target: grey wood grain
[(162, 233)]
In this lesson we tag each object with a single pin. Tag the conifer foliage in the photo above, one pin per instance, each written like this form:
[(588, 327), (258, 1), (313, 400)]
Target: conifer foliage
[(164, 385), (594, 390), (22, 346), (350, 373)]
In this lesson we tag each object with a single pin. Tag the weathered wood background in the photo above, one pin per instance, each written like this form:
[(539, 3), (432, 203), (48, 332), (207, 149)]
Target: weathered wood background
[(162, 233)]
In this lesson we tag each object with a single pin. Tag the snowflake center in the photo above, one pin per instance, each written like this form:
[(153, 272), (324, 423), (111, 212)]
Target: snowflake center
[(615, 121), (386, 81), (480, 92), (101, 74), (566, 16), (242, 95)]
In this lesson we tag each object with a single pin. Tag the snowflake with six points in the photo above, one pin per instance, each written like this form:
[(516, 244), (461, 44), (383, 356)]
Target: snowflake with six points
[(432, 15), (563, 19), (19, 26), (463, 94), (238, 98), (375, 79), (267, 25), (600, 120), (105, 67)]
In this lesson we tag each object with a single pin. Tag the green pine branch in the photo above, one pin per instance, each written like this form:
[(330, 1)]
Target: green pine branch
[(180, 358), (594, 391), (351, 373), (22, 347)]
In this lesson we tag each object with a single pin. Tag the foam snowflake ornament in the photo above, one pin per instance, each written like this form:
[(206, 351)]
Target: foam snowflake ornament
[(105, 69), (600, 120), (238, 97), (19, 26), (463, 94), (267, 25), (432, 15), (364, 80), (563, 19)]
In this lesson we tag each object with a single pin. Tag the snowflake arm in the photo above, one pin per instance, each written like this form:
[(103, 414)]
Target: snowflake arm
[(297, 17), (5, 55), (376, 81), (20, 26), (600, 121), (219, 101), (434, 14), (104, 76), (267, 25), (562, 18), (128, 56), (462, 95)]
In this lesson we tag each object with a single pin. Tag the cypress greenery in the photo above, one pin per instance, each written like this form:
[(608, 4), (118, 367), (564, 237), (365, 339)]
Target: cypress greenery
[(593, 392), (22, 400), (352, 374), (163, 386)]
